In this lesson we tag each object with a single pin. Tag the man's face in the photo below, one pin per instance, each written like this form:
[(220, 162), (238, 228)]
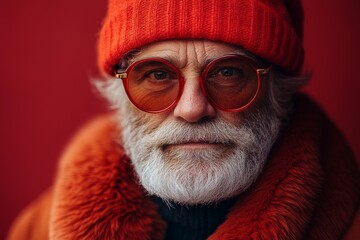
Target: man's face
[(195, 153)]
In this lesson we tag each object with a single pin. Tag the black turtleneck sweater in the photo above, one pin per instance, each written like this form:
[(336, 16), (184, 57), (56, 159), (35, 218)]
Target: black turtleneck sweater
[(195, 222)]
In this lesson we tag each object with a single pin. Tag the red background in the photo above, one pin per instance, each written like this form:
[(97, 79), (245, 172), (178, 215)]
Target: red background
[(47, 56)]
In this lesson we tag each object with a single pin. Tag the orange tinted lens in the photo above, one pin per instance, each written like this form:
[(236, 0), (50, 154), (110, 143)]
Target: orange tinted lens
[(153, 85), (231, 83)]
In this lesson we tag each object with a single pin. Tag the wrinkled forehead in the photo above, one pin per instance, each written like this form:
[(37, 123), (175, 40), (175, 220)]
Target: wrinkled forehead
[(183, 52)]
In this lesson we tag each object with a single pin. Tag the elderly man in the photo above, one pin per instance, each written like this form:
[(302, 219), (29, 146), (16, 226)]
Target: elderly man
[(209, 140)]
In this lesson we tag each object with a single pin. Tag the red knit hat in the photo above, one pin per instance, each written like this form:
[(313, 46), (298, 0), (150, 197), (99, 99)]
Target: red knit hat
[(271, 29)]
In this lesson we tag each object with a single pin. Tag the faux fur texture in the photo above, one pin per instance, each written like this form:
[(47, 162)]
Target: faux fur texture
[(96, 195), (308, 190)]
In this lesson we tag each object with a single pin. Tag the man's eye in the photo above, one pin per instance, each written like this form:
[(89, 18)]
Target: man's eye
[(159, 75), (229, 72), (226, 73)]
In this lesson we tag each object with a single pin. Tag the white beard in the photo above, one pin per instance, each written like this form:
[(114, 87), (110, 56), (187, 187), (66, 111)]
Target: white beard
[(198, 176)]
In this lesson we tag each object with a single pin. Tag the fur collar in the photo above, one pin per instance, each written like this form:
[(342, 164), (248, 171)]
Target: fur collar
[(308, 190)]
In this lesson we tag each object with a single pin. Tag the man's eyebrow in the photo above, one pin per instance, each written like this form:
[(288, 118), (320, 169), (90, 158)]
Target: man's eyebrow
[(243, 53), (173, 58), (239, 52), (251, 56), (166, 56)]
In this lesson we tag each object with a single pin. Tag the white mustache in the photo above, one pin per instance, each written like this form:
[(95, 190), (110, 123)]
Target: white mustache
[(216, 131)]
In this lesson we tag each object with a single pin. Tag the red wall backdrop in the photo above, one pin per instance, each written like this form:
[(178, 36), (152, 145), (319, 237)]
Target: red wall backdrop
[(47, 56)]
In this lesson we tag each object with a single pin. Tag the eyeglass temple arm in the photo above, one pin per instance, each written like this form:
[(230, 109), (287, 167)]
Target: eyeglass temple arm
[(121, 75), (263, 71)]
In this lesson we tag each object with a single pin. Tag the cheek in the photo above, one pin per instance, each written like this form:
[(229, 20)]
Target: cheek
[(233, 118), (259, 103), (153, 121), (149, 121)]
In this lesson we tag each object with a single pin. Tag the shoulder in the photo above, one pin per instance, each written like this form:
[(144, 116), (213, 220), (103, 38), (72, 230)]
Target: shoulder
[(340, 196)]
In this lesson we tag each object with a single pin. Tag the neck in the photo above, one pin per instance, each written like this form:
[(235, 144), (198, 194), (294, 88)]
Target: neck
[(195, 221)]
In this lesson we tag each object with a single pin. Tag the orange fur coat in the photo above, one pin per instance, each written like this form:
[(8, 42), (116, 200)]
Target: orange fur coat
[(308, 190)]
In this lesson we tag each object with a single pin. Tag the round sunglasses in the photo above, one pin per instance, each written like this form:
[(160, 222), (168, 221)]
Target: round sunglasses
[(231, 83)]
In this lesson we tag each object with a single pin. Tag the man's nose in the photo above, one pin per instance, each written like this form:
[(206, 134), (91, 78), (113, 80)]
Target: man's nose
[(193, 105)]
